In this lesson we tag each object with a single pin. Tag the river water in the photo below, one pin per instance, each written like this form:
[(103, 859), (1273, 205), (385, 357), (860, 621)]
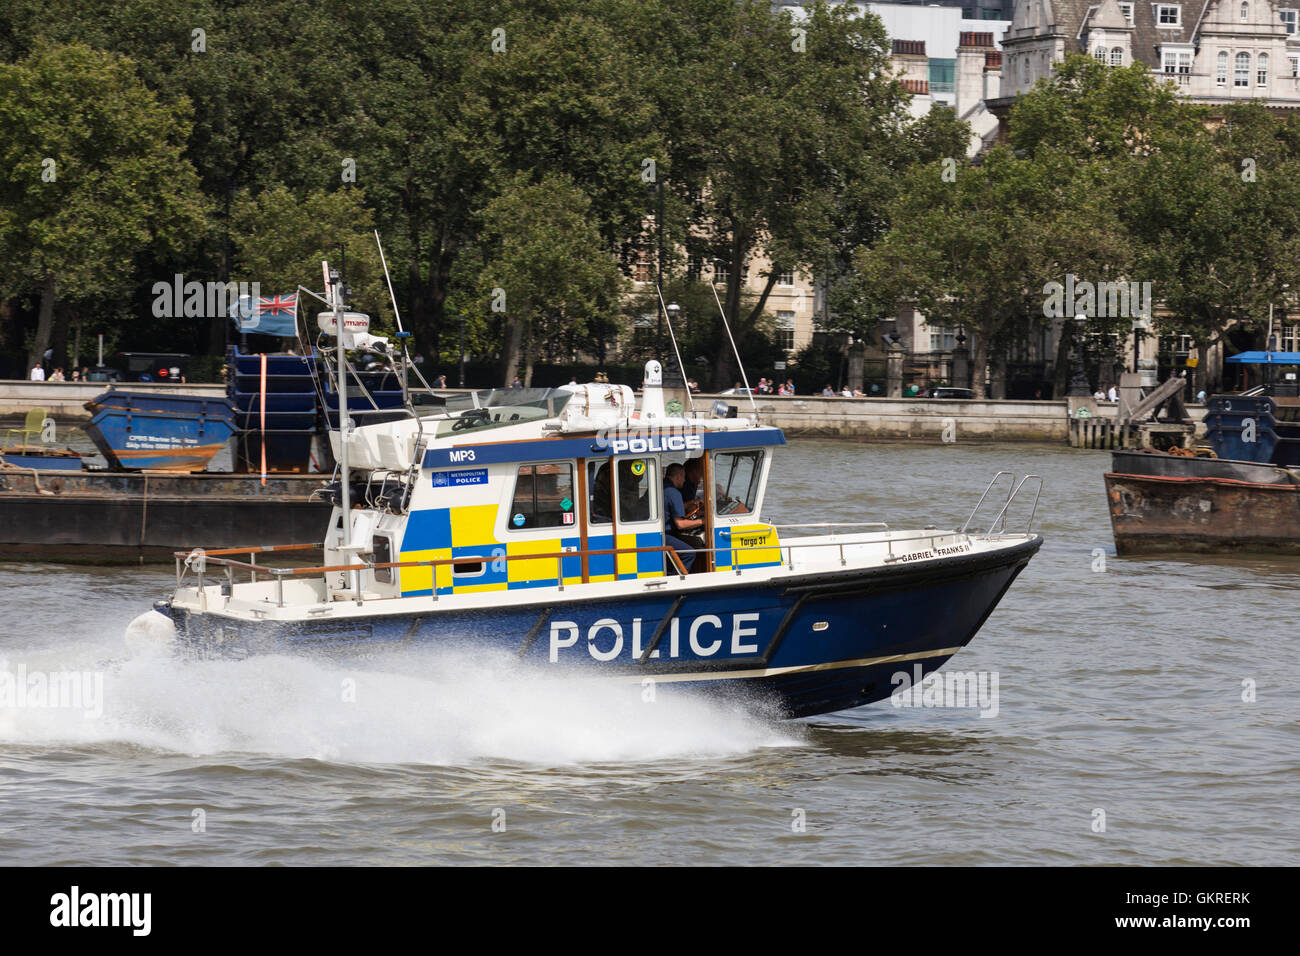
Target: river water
[(1146, 712)]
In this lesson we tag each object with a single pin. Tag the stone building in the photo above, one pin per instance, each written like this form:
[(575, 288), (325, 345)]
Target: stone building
[(1216, 51)]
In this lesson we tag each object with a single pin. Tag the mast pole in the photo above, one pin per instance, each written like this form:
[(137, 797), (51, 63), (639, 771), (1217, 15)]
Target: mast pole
[(345, 487)]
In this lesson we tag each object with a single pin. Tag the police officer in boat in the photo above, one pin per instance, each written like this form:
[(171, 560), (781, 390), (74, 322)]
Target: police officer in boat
[(675, 519)]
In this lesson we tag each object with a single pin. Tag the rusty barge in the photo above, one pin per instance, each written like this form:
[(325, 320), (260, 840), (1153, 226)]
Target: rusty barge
[(1242, 495), (1163, 503)]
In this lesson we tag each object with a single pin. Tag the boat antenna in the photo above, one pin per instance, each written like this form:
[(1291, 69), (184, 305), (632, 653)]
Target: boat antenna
[(735, 351), (402, 337), (676, 350), (398, 315), (387, 278)]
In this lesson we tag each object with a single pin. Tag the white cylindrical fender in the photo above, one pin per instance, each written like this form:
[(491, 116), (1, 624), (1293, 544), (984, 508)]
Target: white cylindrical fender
[(151, 633)]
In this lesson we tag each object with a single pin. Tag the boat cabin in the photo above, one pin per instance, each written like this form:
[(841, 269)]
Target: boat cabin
[(566, 487)]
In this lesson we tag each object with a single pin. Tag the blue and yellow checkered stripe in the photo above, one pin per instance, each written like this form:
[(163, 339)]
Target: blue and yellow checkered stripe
[(646, 564), (469, 531)]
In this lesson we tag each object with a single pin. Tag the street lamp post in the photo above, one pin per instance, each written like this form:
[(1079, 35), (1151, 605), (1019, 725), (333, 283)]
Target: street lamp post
[(961, 360), (1079, 376), (674, 312)]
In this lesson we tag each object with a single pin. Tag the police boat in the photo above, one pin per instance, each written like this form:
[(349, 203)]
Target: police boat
[(536, 523)]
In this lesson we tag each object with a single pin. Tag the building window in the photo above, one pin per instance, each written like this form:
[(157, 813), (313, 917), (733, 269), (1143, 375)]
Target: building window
[(694, 267), (543, 497), (1169, 15), (1127, 10), (1116, 56), (943, 75), (721, 272), (942, 338), (1221, 68), (1291, 338), (1295, 65), (785, 278), (1261, 69), (1289, 20), (1176, 61), (641, 271), (1241, 70), (1099, 54), (1245, 12), (785, 331), (643, 329)]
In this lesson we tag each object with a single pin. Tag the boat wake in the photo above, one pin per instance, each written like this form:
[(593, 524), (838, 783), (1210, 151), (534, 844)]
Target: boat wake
[(407, 706)]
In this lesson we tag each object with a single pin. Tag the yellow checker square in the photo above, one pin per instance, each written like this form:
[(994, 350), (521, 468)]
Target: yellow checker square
[(543, 569), (755, 544), (473, 525), (626, 560), (421, 578)]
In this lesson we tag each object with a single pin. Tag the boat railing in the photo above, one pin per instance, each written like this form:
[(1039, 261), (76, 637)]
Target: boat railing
[(832, 524), (198, 561), (998, 525)]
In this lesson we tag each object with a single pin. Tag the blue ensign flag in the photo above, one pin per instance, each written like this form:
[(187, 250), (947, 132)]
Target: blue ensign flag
[(267, 315)]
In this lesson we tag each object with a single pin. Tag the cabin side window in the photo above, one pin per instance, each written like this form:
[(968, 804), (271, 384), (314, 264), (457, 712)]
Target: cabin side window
[(543, 497), (381, 548), (600, 489), (735, 477), (638, 490)]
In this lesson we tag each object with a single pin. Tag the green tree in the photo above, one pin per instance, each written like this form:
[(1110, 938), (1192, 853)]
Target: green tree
[(980, 249), (283, 239), (1218, 220), (781, 136), (96, 177), (1092, 111), (544, 269)]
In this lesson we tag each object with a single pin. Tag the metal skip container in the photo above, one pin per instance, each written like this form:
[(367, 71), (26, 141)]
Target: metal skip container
[(138, 431)]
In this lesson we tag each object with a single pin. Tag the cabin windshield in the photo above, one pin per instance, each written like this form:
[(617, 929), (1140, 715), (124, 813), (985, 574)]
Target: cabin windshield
[(549, 400), (478, 419), (736, 481)]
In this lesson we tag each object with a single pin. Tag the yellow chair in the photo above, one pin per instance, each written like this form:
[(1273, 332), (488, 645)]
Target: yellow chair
[(31, 426)]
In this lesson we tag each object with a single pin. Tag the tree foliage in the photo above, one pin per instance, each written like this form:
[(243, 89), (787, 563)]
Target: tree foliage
[(95, 178)]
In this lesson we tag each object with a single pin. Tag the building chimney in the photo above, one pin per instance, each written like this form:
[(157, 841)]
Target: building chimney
[(992, 74)]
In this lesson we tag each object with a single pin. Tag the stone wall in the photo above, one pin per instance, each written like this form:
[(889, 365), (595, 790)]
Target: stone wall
[(859, 419), (912, 419)]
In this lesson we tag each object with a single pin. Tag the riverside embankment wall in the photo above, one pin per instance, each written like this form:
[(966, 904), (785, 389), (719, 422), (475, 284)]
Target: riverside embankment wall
[(857, 419)]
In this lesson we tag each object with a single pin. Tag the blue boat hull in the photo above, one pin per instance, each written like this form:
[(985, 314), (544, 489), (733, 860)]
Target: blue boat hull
[(810, 644), (66, 461)]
